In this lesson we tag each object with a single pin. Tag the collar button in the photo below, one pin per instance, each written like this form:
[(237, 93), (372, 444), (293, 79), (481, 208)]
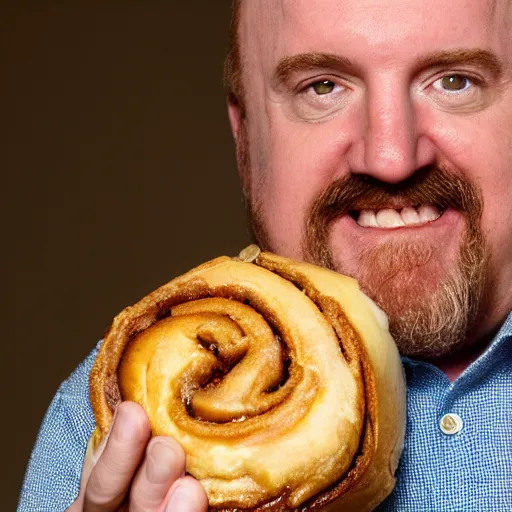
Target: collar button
[(450, 424)]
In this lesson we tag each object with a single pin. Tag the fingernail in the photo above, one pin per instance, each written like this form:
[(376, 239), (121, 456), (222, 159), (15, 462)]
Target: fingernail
[(101, 446), (124, 425), (160, 462), (181, 499), (113, 422), (114, 416)]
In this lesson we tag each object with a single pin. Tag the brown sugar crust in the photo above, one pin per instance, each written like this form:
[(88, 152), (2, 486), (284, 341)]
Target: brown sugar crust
[(253, 385)]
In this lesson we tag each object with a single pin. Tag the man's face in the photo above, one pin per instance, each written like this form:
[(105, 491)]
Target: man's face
[(378, 140)]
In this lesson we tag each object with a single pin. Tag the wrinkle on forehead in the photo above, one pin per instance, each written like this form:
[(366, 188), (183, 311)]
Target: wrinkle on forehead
[(499, 14), (500, 8), (500, 11)]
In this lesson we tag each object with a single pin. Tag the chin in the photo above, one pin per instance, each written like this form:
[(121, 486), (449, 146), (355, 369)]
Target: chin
[(431, 300)]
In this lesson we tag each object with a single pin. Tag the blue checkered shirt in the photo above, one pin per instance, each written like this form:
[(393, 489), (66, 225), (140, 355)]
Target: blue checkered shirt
[(470, 471)]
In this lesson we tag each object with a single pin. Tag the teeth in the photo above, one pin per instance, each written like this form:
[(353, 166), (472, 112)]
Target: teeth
[(367, 219), (390, 218), (410, 216), (428, 213)]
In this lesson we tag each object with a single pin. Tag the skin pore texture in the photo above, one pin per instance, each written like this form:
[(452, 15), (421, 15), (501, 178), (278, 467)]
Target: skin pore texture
[(354, 116)]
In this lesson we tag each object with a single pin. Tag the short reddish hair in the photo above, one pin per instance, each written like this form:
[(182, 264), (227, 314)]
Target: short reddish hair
[(233, 63)]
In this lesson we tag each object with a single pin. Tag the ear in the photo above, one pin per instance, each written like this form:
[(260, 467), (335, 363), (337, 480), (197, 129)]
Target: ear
[(235, 116), (237, 119)]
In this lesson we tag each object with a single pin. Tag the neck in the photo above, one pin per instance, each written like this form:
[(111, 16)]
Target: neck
[(454, 364)]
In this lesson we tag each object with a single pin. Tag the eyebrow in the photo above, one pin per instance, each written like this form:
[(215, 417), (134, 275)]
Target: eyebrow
[(288, 66), (472, 57)]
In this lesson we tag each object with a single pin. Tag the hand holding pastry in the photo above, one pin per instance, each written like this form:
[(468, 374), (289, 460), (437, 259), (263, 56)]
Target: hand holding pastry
[(133, 472)]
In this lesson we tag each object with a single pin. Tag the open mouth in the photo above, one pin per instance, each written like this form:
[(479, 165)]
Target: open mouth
[(390, 218)]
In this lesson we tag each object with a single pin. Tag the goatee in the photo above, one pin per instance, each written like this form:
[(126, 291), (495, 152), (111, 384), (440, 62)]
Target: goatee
[(425, 321)]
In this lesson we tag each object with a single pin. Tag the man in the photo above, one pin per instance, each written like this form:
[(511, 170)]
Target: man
[(373, 137)]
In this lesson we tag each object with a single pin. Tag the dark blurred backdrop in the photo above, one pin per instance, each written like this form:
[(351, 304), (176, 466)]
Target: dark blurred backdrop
[(118, 174)]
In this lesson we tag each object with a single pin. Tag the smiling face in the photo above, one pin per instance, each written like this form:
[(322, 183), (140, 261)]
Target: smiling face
[(376, 138)]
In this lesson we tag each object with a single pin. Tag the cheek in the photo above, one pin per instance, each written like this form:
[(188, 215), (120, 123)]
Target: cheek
[(497, 217), (496, 188), (301, 163), (484, 153)]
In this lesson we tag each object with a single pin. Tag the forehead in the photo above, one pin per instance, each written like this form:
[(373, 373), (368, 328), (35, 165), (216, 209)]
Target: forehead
[(271, 29)]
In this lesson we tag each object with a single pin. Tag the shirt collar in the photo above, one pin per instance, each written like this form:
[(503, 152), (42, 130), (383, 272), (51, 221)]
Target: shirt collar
[(502, 338)]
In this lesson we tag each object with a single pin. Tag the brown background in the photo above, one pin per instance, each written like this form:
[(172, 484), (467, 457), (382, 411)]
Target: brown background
[(118, 174)]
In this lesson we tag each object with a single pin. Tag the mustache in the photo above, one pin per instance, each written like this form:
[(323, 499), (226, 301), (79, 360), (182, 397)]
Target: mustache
[(432, 185)]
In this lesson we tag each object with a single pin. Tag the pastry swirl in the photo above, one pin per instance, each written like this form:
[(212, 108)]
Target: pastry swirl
[(278, 378)]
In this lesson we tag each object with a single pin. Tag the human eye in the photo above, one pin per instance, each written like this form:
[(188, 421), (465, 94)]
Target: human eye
[(458, 91), (319, 97), (453, 84), (323, 87)]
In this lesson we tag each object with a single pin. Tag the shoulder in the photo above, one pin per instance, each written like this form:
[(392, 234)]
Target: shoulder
[(76, 386), (53, 474)]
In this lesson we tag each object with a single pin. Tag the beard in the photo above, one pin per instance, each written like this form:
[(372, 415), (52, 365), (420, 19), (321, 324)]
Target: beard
[(428, 318)]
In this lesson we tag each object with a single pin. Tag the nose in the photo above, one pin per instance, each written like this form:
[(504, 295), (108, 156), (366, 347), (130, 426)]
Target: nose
[(391, 145)]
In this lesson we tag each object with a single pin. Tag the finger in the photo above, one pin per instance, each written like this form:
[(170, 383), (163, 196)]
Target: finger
[(164, 464), (187, 495), (111, 477), (93, 452)]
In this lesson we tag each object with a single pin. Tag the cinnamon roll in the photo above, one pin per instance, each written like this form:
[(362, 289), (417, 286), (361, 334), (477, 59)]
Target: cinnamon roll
[(279, 379)]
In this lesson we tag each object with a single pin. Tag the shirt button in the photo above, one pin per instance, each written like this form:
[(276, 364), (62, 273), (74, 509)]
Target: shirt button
[(450, 424)]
